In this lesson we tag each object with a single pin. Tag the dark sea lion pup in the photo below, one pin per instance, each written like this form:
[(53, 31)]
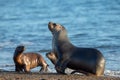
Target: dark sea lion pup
[(26, 61), (88, 60)]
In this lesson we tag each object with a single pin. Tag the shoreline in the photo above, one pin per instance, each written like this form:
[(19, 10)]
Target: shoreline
[(11, 75)]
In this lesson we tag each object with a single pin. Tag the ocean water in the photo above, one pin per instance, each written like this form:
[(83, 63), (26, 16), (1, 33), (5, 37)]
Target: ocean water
[(90, 23)]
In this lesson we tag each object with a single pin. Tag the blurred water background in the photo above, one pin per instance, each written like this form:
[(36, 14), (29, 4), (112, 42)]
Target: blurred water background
[(90, 23)]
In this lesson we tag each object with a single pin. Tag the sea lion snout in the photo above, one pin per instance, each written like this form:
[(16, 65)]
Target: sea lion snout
[(47, 54), (54, 27), (50, 55), (50, 26)]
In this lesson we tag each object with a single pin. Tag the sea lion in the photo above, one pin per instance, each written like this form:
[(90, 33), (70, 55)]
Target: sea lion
[(52, 57), (26, 61), (88, 60)]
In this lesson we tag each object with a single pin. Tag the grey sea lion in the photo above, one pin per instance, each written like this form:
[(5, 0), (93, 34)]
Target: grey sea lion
[(86, 60), (26, 61)]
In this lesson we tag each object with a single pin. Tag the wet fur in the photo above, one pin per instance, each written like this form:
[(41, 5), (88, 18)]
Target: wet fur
[(26, 61)]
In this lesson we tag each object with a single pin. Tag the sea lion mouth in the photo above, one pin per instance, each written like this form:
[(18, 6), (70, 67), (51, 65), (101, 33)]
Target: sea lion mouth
[(47, 54)]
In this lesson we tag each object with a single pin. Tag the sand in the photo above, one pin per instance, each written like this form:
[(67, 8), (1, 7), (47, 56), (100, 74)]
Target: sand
[(11, 75)]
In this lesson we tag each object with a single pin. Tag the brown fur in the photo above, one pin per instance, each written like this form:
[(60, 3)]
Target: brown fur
[(26, 61), (52, 57)]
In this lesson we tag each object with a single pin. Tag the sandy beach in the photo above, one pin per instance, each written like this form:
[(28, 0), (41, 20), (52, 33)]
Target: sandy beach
[(10, 75)]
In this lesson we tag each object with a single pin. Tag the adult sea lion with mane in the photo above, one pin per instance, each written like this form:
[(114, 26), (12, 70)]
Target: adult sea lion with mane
[(26, 61), (88, 60)]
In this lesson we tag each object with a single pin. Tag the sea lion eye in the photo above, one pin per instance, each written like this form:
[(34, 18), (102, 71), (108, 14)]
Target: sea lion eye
[(54, 24)]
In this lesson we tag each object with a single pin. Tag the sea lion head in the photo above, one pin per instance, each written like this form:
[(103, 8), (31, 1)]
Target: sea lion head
[(56, 28), (52, 57), (19, 49)]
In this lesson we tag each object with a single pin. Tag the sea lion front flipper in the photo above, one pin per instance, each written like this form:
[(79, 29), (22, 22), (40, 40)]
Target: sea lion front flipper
[(26, 68), (61, 66), (18, 68)]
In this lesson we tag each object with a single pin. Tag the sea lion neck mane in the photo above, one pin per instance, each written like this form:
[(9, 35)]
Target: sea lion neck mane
[(61, 37)]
